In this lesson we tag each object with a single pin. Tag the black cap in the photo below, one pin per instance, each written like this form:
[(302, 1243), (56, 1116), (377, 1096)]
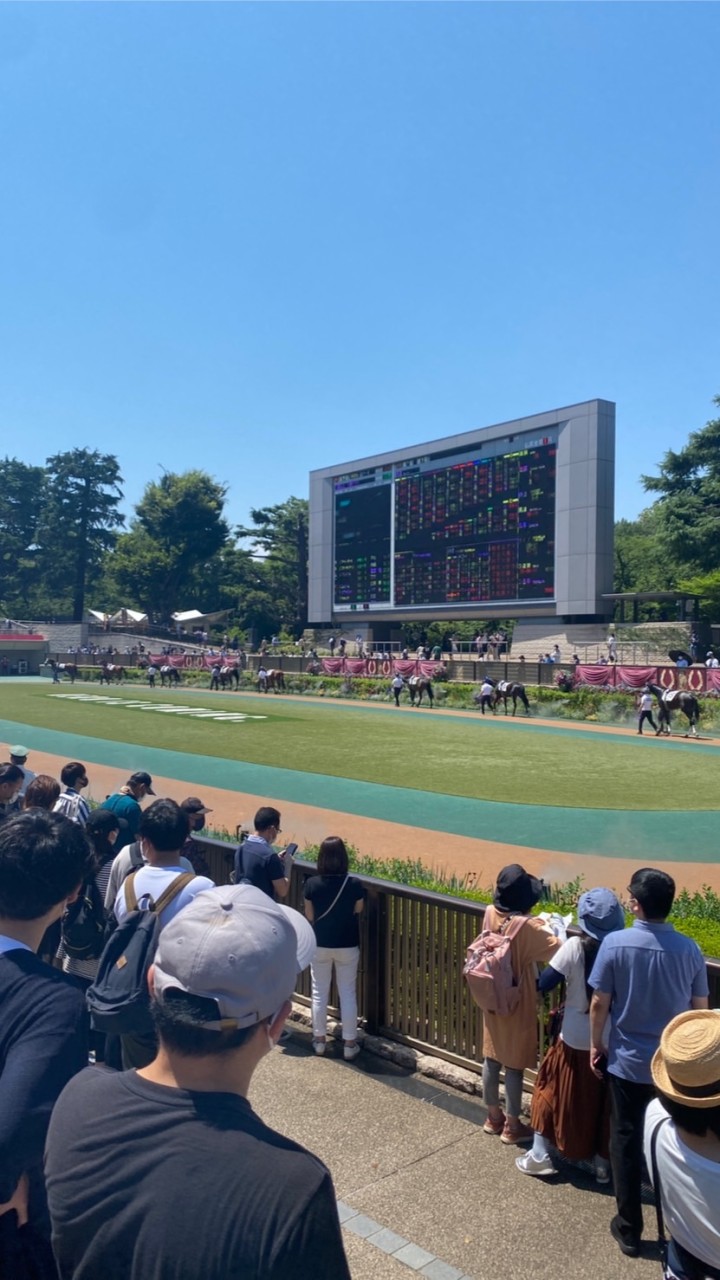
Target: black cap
[(515, 890), (141, 780)]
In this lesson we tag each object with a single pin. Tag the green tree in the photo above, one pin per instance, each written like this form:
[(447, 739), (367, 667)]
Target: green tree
[(82, 519), (22, 504), (280, 534), (688, 506), (178, 530)]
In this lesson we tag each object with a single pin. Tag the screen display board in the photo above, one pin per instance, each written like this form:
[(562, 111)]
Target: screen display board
[(458, 526)]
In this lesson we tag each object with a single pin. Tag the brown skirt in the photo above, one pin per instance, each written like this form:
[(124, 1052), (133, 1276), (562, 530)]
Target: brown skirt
[(570, 1106)]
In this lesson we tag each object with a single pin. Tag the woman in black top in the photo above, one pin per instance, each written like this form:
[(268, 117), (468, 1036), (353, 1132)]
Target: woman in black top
[(333, 902)]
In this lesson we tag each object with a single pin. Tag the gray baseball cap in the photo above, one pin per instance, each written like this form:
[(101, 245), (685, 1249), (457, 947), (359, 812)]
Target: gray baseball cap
[(238, 948)]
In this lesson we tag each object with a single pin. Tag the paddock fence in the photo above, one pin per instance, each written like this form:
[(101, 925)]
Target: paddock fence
[(412, 948)]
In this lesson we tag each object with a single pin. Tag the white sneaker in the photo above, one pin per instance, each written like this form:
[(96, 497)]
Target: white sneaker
[(538, 1168), (319, 1047), (602, 1171), (351, 1051)]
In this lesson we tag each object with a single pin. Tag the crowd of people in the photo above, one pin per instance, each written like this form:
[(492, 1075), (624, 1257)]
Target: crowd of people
[(634, 1067), (637, 1055), (81, 1195)]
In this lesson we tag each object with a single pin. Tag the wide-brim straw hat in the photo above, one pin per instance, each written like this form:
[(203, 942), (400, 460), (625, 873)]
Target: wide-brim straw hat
[(686, 1066)]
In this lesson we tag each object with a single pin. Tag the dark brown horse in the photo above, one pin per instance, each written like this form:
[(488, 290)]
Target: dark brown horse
[(505, 689), (271, 679), (417, 687), (60, 669), (228, 676), (112, 673), (670, 700), (169, 675)]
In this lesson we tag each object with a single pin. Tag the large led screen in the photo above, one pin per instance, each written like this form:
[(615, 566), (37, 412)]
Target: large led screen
[(459, 526)]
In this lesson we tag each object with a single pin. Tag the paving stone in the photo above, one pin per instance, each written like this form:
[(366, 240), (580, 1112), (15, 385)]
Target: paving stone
[(362, 1226), (345, 1211), (413, 1256), (438, 1270), (388, 1241)]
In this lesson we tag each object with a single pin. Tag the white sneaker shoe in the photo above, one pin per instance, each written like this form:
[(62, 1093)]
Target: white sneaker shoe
[(538, 1168), (351, 1051), (319, 1047), (602, 1171)]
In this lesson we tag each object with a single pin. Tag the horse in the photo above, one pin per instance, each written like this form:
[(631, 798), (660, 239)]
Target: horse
[(169, 674), (314, 668), (59, 669), (227, 675), (272, 679), (111, 671), (670, 700), (416, 687), (505, 689)]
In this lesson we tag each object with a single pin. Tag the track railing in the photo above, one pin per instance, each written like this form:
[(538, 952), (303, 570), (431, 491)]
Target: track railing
[(412, 948)]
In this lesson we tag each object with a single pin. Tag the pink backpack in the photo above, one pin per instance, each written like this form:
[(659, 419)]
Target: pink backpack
[(488, 968)]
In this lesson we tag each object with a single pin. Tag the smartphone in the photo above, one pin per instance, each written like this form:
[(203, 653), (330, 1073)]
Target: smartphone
[(291, 849)]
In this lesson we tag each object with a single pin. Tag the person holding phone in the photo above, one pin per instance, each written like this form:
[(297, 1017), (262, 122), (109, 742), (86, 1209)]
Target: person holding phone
[(256, 861), (333, 902)]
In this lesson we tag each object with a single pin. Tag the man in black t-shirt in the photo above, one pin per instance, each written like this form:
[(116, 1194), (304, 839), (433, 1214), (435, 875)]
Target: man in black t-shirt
[(257, 863), (168, 1170), (43, 1022)]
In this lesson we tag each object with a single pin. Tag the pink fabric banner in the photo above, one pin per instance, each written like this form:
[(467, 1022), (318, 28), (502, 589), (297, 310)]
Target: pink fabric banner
[(597, 676), (712, 677), (333, 666), (634, 677), (355, 666)]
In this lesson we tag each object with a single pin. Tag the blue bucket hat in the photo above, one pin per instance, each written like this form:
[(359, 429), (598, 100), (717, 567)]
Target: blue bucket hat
[(600, 913)]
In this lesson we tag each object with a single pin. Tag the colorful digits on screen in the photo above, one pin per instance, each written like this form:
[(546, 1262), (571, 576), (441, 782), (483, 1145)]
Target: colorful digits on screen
[(437, 531)]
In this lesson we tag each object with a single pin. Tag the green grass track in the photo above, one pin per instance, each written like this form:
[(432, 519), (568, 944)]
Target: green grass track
[(573, 791)]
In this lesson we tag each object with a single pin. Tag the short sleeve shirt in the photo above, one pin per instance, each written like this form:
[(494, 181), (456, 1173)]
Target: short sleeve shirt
[(341, 926), (256, 862), (652, 973), (570, 962)]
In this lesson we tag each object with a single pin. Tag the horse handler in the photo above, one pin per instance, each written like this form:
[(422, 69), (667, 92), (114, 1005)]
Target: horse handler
[(646, 703), (397, 686), (487, 693)]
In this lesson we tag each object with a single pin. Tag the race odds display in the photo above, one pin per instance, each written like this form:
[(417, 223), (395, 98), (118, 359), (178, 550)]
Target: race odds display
[(453, 527)]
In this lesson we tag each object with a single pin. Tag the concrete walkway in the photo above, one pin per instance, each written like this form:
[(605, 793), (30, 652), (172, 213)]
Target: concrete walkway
[(423, 1191)]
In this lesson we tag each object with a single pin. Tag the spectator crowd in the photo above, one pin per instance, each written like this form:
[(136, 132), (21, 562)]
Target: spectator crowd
[(138, 999)]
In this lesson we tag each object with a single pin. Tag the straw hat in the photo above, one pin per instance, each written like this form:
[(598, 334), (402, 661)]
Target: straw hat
[(686, 1067)]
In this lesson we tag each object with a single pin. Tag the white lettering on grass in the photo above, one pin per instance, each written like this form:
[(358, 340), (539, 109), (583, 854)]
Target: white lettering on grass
[(165, 708)]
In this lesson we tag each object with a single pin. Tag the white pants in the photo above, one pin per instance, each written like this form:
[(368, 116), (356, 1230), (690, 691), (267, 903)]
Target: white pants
[(346, 961)]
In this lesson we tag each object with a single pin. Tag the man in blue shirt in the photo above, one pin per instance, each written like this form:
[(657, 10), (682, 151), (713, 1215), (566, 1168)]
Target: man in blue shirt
[(642, 978), (257, 863)]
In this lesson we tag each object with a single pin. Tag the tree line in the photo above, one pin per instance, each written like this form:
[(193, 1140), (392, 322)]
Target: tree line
[(65, 546), (675, 542)]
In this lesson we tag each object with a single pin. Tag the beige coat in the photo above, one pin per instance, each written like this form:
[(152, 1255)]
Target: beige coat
[(512, 1039)]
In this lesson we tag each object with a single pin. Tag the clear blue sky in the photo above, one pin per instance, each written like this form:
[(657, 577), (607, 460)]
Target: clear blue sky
[(266, 238)]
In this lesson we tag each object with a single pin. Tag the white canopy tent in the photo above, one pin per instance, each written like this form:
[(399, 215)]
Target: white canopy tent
[(190, 615), (124, 616)]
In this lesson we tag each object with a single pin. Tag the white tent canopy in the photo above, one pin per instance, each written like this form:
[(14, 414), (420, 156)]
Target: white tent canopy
[(190, 615), (128, 615), (96, 613)]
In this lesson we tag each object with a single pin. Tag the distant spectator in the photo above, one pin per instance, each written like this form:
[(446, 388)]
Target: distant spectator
[(711, 660), (42, 793), (11, 780), (333, 902), (642, 978), (70, 803), (126, 804), (163, 831), (18, 756), (195, 810), (510, 1041), (556, 655), (612, 647), (256, 861), (43, 1027)]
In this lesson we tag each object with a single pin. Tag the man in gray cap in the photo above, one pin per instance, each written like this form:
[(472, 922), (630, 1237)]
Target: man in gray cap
[(18, 756), (168, 1170)]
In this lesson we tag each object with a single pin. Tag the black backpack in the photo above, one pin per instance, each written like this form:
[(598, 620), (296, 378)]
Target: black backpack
[(118, 999), (83, 925)]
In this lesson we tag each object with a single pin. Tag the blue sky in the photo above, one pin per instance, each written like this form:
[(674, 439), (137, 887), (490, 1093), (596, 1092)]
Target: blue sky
[(263, 238)]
